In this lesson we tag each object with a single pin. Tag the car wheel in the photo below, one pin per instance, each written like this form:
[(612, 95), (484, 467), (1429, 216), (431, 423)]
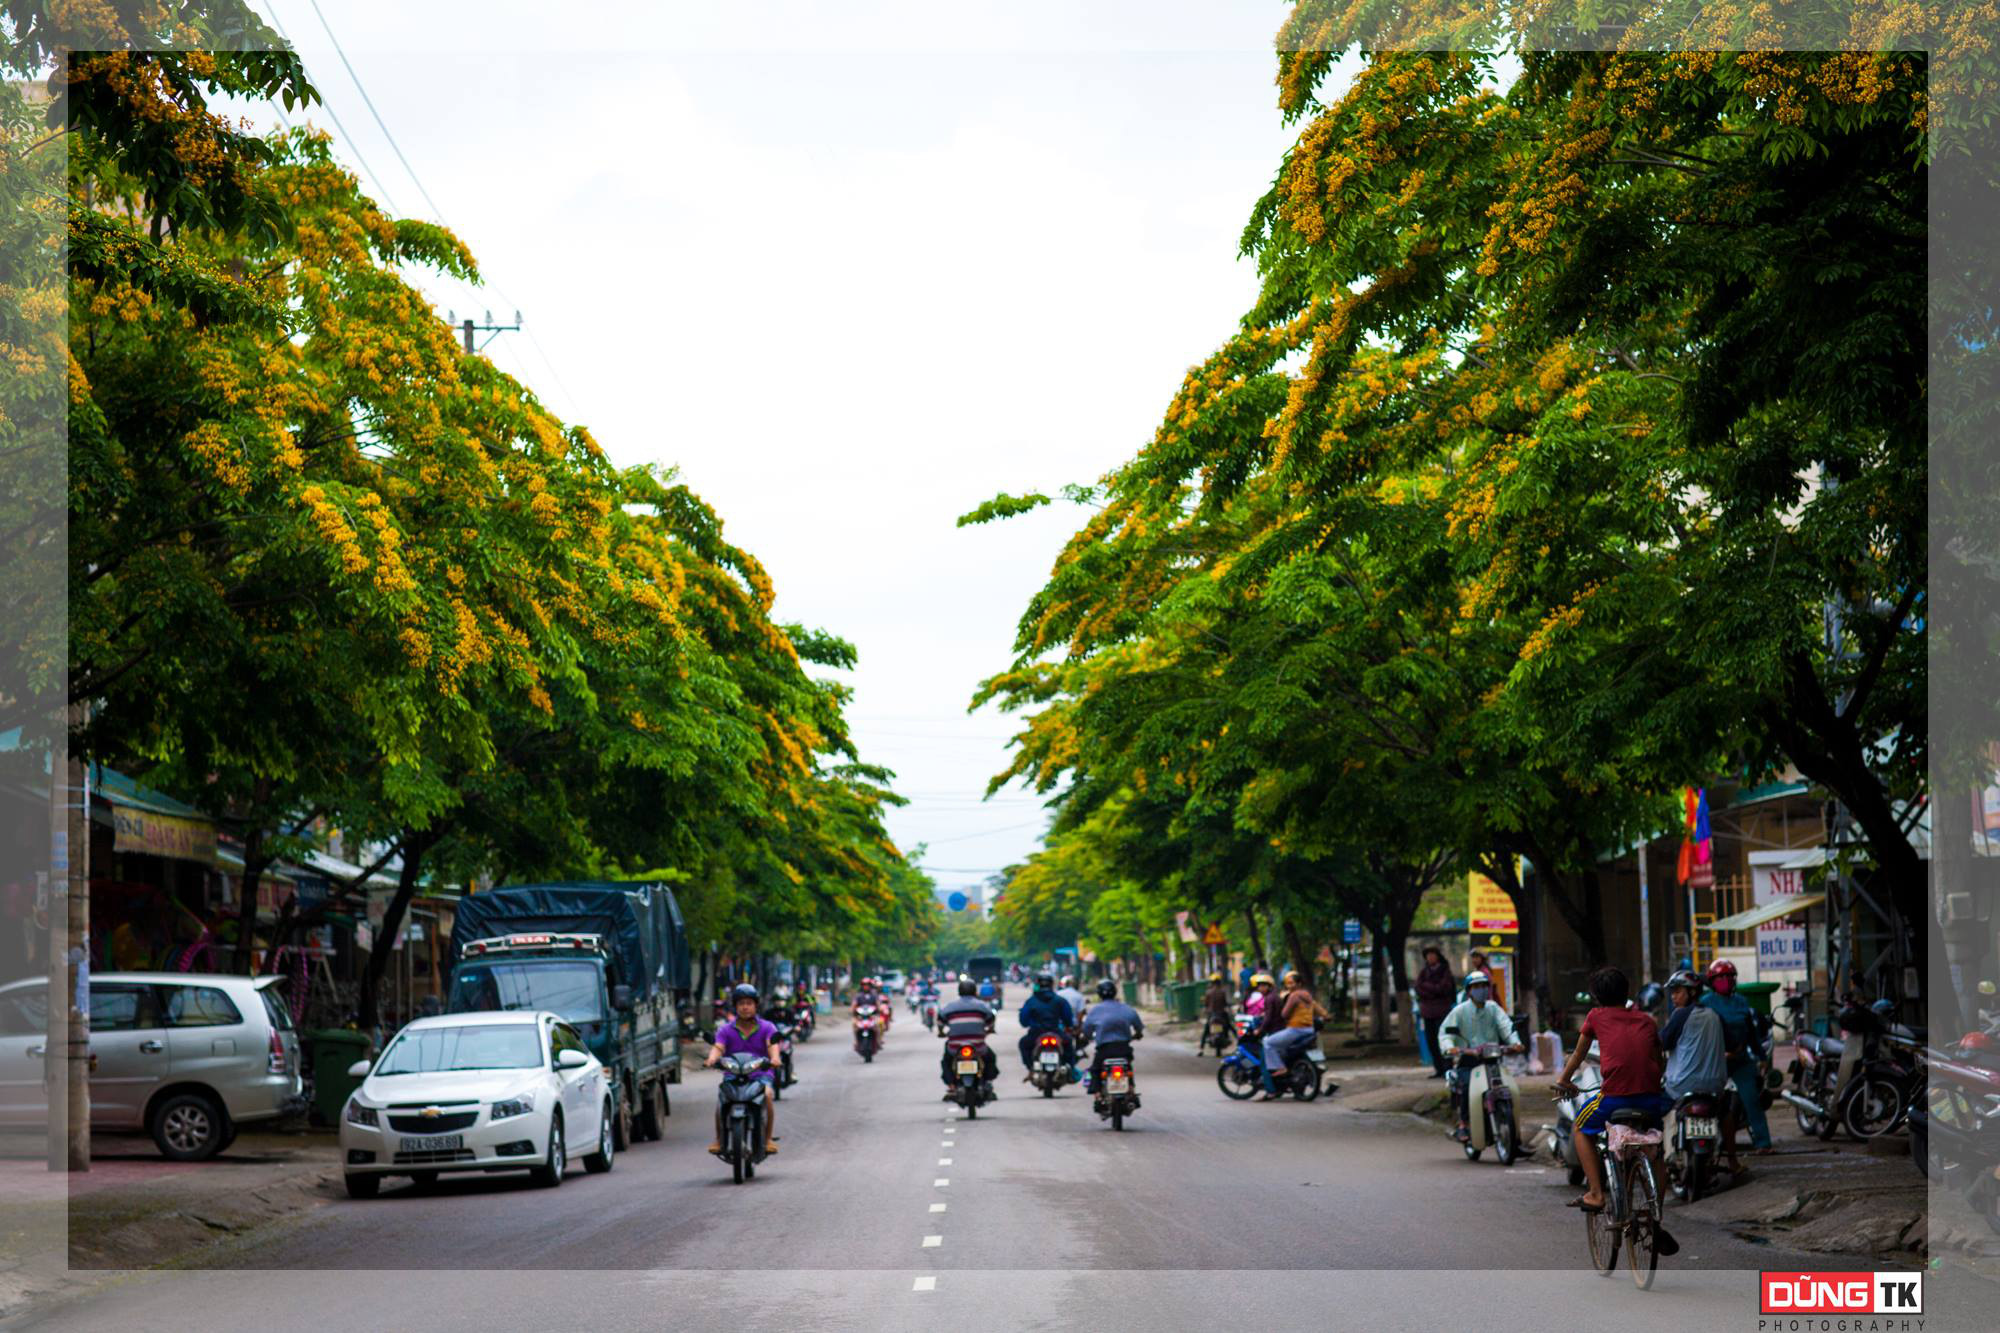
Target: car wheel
[(599, 1162), (363, 1187), (190, 1127), (550, 1173)]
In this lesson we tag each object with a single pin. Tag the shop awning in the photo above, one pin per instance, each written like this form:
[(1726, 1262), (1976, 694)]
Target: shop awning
[(1757, 916), (1810, 859), (153, 823)]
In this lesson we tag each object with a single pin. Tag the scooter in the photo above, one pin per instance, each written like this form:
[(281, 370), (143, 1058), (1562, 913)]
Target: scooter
[(805, 1017), (1854, 1081), (742, 1098), (1955, 1134), (1117, 1093), (785, 1077), (1490, 1097), (1241, 1073), (867, 1032), (1562, 1134), (970, 1088), (1048, 1070), (1694, 1144)]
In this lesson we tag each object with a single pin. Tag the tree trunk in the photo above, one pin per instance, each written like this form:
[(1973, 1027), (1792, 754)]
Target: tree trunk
[(1378, 992), (1581, 911), (1295, 945), (414, 845), (255, 863), (1395, 944), (1531, 955), (1257, 954)]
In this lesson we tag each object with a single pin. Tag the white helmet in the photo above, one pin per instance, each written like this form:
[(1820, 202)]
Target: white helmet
[(1477, 979)]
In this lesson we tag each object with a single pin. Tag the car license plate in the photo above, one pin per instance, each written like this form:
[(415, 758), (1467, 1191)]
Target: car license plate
[(432, 1142), (1703, 1128), (968, 1066), (1050, 1059)]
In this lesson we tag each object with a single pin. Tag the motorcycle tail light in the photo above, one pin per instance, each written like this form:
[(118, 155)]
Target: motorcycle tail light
[(1975, 1041), (965, 1052)]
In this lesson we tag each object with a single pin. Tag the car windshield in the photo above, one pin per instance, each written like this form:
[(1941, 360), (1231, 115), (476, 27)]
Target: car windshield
[(569, 989), (475, 1046)]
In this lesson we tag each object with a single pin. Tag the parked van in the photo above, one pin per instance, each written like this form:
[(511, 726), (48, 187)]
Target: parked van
[(186, 1057)]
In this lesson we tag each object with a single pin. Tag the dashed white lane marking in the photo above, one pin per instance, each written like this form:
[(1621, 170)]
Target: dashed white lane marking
[(932, 1242), (937, 1207), (940, 1182), (947, 1144), (925, 1284), (944, 1161)]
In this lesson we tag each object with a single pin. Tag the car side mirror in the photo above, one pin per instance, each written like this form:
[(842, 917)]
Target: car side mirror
[(572, 1059), (359, 1069), (621, 997)]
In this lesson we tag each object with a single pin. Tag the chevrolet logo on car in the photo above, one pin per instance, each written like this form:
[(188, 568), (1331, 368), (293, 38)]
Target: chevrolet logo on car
[(430, 1113)]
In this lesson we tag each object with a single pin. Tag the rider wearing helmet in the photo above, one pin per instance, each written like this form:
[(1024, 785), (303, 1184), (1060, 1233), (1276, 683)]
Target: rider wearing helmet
[(870, 992), (1111, 1026), (966, 1017), (1693, 1040), (1743, 1045), (1477, 1021), (748, 1035), (1261, 986), (1071, 995), (1290, 1023), (1046, 1011)]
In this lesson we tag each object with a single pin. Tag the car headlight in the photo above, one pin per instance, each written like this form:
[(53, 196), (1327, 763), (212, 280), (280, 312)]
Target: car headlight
[(357, 1114), (513, 1106)]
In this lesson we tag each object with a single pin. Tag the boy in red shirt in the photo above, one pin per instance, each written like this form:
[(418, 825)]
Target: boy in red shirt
[(1628, 1051)]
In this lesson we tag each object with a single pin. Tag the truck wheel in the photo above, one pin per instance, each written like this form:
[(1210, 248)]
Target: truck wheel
[(651, 1125), (363, 1187), (621, 1127)]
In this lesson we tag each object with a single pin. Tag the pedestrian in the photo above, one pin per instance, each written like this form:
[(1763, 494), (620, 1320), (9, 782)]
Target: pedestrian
[(1436, 988)]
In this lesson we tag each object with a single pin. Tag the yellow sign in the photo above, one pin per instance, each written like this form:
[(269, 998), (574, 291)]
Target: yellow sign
[(1214, 936), (1491, 909), (134, 830)]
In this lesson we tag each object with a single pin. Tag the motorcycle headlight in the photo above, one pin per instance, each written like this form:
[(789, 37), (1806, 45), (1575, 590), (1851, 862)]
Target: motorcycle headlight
[(513, 1106), (357, 1114)]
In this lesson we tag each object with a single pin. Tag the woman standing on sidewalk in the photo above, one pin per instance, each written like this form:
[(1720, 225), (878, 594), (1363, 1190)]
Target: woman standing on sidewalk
[(1437, 989)]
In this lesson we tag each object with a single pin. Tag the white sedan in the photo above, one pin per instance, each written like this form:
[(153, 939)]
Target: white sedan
[(477, 1092)]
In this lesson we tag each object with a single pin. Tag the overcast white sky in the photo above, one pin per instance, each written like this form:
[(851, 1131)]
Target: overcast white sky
[(852, 269)]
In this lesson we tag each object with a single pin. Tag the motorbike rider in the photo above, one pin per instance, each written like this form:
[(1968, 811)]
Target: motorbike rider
[(1628, 1052), (1261, 986), (1045, 1011), (1218, 1009), (1071, 996), (964, 1018), (870, 992), (1478, 1020), (1744, 1052), (1111, 1026), (748, 1035), (1694, 1042), (1289, 1027)]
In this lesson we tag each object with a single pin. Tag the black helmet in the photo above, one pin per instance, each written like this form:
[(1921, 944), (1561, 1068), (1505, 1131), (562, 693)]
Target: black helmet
[(966, 986), (1107, 989), (743, 990), (1044, 981), (1684, 980)]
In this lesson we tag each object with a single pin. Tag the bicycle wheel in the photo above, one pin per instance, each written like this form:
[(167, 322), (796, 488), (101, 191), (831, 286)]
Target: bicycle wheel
[(1642, 1248), (1602, 1232)]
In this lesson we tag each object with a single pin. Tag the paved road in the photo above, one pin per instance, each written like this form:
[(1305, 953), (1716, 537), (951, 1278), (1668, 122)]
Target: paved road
[(886, 1209)]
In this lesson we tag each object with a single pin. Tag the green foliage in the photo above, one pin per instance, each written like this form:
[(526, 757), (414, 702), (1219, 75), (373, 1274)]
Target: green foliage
[(1003, 505)]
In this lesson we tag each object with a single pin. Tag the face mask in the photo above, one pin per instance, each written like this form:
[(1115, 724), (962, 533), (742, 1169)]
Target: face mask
[(1722, 985), (1480, 993)]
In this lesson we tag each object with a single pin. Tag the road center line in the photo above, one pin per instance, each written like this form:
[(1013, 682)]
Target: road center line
[(937, 1207), (944, 1161), (925, 1284), (940, 1182), (932, 1242)]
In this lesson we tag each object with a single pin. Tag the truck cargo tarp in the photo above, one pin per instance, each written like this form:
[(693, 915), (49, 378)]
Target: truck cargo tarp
[(641, 924)]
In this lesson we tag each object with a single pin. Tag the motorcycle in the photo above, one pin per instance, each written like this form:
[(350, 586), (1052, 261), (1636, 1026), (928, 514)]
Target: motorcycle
[(1490, 1097), (805, 1017), (1955, 1132), (785, 1077), (1241, 1073), (1048, 1070), (742, 1097), (867, 1032), (930, 1008), (1860, 1081), (1562, 1134), (1694, 1144), (1117, 1094), (970, 1087)]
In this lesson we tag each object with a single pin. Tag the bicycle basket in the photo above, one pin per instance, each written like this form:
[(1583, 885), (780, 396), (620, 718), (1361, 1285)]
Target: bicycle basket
[(1620, 1137)]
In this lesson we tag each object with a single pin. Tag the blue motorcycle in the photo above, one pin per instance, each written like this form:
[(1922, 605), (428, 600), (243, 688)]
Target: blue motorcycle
[(1241, 1073)]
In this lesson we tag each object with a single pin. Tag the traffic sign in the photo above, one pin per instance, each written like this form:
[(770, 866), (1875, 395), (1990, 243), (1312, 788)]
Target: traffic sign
[(1214, 935), (957, 902), (1350, 931)]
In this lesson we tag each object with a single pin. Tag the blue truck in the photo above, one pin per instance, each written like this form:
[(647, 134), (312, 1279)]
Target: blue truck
[(610, 957)]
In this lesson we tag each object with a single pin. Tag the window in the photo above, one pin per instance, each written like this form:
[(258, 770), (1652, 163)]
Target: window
[(477, 1046), (569, 989), (115, 1008), (25, 1013), (274, 1009), (200, 1007)]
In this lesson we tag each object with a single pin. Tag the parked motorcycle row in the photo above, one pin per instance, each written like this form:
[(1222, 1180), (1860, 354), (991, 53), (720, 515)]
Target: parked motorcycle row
[(1954, 1116)]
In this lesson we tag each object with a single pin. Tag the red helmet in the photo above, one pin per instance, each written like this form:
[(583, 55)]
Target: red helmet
[(1722, 967)]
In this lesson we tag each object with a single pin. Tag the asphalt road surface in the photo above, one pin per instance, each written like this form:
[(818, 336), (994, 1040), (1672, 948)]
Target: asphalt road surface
[(887, 1209)]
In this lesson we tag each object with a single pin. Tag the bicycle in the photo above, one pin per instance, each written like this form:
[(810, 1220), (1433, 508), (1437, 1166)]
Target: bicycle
[(1630, 1218)]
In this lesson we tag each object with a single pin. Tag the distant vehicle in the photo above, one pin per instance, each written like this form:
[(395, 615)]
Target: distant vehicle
[(609, 958), (478, 1092), (892, 980), (986, 968), (186, 1057)]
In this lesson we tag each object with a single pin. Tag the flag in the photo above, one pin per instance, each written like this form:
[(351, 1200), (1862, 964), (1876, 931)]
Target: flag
[(1697, 844)]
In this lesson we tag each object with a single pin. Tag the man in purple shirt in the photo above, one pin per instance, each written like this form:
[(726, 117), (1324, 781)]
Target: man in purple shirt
[(748, 1035)]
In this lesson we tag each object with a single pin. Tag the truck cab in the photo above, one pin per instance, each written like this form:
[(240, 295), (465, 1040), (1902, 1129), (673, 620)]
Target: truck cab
[(566, 973)]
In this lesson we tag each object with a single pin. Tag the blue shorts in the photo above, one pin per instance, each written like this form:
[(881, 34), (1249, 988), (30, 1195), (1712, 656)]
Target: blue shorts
[(1595, 1114)]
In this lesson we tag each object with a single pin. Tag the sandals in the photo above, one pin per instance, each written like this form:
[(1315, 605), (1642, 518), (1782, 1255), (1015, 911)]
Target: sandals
[(1578, 1203)]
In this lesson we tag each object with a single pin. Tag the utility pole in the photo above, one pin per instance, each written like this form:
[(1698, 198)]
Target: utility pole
[(1645, 918), (67, 1053), (469, 326)]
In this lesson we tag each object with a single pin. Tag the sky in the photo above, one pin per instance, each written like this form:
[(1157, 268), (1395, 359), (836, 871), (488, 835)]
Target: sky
[(851, 270)]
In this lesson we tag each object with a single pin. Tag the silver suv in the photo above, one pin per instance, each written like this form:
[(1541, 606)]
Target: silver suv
[(185, 1056)]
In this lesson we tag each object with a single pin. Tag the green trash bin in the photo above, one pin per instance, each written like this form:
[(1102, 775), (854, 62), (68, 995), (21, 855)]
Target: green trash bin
[(1759, 994), (333, 1050), (1131, 993), (1182, 1000)]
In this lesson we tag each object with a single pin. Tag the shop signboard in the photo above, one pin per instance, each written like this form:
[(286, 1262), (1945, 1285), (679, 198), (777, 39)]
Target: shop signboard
[(1781, 944), (1492, 909)]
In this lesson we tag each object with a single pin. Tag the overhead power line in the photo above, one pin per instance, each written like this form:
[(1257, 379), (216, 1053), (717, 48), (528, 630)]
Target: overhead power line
[(380, 124)]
